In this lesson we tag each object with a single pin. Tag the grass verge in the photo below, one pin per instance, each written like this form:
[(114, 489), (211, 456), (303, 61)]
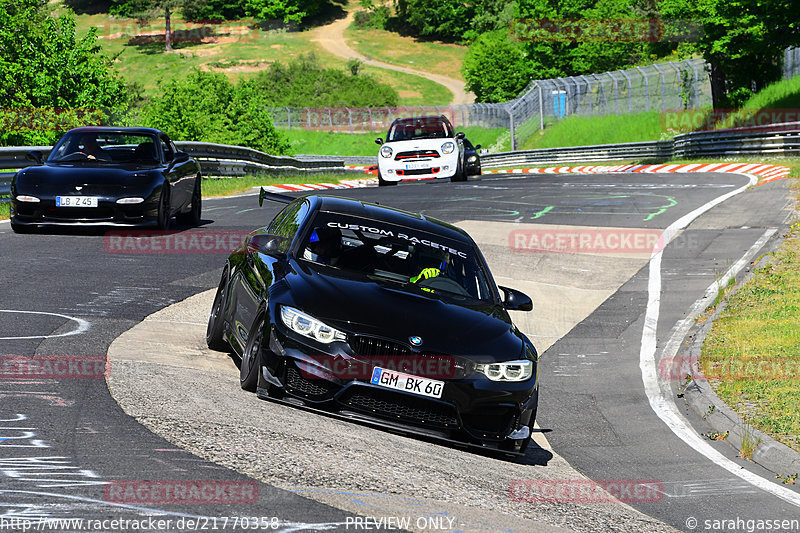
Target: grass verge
[(752, 353), (389, 47), (363, 144), (585, 131), (237, 48)]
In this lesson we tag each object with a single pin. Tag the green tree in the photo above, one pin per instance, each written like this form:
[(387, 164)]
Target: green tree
[(50, 79), (206, 106), (496, 68), (453, 20), (742, 40), (286, 10), (152, 9)]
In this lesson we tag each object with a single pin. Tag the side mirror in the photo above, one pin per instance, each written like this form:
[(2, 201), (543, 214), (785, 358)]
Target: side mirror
[(181, 156), (378, 141), (477, 146), (35, 156), (264, 244), (514, 300), (460, 135)]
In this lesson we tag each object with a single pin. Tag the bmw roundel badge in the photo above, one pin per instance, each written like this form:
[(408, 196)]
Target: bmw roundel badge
[(415, 340)]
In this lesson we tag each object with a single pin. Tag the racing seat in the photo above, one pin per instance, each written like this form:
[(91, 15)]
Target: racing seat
[(146, 151)]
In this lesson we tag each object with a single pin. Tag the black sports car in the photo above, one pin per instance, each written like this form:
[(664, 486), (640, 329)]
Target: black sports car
[(378, 315), (472, 159), (98, 176)]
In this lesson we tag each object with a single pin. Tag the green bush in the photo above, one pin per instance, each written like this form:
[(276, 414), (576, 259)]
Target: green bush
[(205, 106), (305, 83), (377, 17), (496, 68)]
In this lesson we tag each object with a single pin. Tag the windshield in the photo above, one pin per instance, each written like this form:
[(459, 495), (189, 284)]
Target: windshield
[(387, 252), (416, 128), (105, 147)]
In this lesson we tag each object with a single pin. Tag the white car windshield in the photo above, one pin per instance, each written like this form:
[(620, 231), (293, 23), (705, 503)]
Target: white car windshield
[(426, 128)]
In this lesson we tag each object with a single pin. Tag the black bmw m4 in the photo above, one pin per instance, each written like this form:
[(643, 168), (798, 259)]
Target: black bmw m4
[(382, 316)]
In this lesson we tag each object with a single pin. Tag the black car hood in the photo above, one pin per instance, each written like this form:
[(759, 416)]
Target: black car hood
[(359, 305), (100, 179)]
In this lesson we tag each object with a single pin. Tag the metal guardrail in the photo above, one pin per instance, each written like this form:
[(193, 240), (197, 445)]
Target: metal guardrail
[(223, 160), (601, 152), (773, 139)]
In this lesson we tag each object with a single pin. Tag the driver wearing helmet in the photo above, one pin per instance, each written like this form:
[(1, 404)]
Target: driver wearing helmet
[(324, 246)]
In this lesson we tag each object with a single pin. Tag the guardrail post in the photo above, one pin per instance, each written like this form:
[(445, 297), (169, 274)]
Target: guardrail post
[(663, 88), (646, 89), (511, 129), (541, 107), (630, 89)]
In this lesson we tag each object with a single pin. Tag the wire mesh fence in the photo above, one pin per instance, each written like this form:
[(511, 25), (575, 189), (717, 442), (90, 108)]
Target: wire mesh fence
[(658, 87)]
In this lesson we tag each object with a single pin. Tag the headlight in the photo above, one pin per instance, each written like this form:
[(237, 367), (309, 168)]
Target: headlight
[(448, 147), (310, 327), (386, 151), (24, 198), (509, 371), (472, 159), (131, 200)]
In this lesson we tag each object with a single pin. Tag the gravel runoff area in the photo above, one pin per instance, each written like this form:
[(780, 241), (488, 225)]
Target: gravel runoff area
[(163, 375)]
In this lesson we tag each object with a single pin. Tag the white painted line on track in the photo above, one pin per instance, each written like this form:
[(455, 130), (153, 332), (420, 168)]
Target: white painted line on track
[(658, 394), (82, 327)]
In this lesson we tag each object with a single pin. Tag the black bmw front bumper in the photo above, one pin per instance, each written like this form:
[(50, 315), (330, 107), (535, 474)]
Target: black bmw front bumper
[(472, 408)]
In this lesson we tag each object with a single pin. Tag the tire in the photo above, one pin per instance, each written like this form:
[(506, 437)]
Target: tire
[(251, 357), (192, 217), (461, 173), (215, 334), (383, 183), (163, 218)]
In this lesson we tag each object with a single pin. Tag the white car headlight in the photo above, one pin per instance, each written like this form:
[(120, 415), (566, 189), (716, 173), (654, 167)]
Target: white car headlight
[(386, 151), (448, 147), (508, 371), (309, 326)]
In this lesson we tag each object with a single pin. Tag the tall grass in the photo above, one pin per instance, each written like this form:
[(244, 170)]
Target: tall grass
[(580, 131), (363, 144)]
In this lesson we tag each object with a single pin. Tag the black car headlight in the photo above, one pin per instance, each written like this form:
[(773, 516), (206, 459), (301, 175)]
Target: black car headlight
[(472, 159), (309, 326), (508, 371)]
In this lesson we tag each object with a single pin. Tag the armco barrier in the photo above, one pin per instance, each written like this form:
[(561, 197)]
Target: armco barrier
[(224, 160)]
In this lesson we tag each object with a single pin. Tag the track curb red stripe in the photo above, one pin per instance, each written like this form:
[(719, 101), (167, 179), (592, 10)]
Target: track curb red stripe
[(766, 173)]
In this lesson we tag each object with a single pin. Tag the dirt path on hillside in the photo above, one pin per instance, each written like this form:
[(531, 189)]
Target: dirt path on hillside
[(331, 38)]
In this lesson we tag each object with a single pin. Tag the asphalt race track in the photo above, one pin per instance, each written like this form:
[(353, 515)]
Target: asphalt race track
[(68, 293)]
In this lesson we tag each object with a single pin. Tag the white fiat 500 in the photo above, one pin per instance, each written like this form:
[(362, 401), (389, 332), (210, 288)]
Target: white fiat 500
[(421, 148)]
